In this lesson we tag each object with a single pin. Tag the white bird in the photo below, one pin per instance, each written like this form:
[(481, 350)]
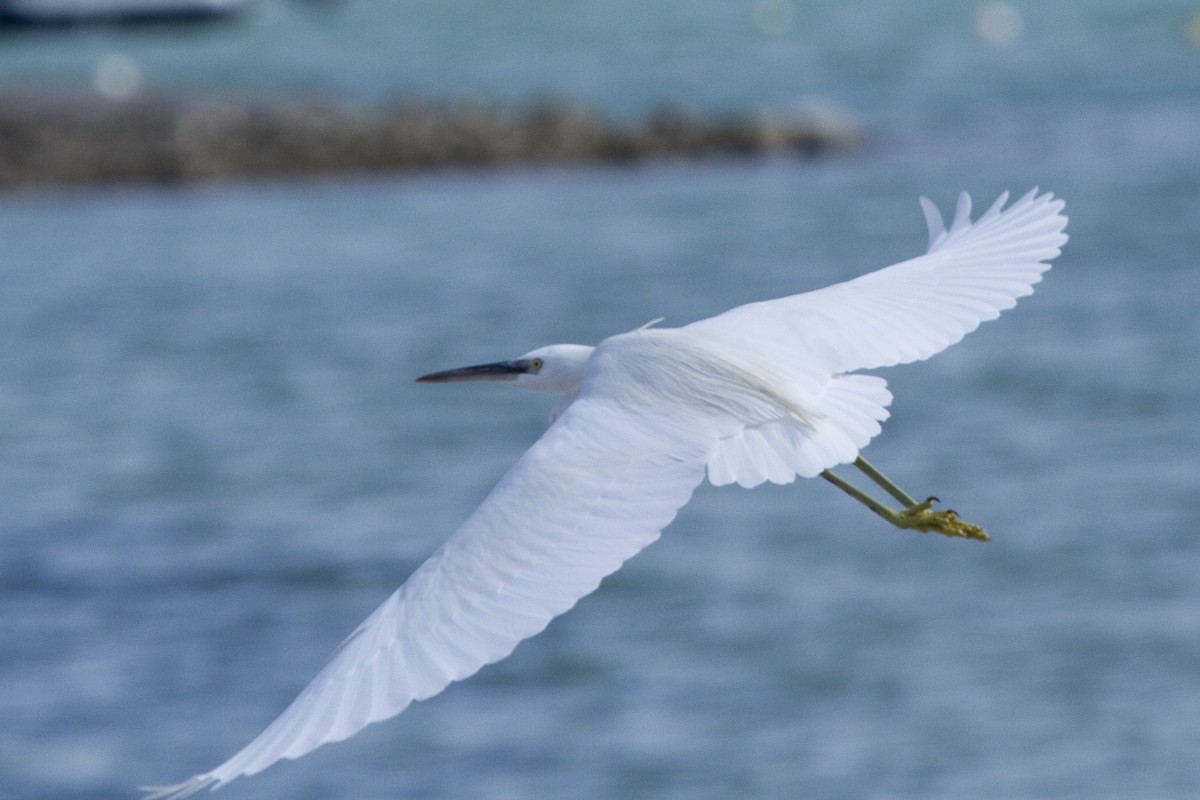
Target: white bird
[(763, 392)]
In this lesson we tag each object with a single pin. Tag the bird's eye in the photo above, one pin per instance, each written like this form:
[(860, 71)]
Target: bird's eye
[(535, 365)]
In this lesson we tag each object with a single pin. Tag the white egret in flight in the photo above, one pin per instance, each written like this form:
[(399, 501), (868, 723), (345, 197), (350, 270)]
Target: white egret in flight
[(763, 392)]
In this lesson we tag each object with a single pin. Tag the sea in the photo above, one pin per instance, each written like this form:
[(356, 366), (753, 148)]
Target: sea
[(214, 461)]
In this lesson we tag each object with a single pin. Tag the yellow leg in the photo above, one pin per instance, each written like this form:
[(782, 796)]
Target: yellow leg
[(913, 516)]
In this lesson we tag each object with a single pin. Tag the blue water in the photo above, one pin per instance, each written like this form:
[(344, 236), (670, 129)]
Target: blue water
[(214, 462)]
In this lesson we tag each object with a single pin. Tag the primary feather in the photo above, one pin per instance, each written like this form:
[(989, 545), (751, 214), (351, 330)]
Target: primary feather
[(757, 393)]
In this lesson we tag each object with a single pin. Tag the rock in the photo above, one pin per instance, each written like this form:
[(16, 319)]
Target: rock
[(79, 140)]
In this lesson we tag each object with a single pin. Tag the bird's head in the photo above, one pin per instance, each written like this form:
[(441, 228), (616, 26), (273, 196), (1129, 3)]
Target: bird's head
[(554, 368)]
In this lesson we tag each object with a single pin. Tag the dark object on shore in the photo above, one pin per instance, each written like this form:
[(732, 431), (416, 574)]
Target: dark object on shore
[(64, 13), (56, 141)]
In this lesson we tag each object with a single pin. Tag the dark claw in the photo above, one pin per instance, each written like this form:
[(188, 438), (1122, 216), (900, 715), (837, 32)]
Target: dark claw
[(932, 499)]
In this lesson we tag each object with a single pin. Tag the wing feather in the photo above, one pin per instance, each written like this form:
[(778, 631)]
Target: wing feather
[(594, 490), (913, 309), (905, 312)]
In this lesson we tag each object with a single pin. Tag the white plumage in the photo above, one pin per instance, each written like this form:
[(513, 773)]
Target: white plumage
[(758, 393)]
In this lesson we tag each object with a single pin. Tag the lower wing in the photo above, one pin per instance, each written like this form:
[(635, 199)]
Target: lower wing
[(594, 490)]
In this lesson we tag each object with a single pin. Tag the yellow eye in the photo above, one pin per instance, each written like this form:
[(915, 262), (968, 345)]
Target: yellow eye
[(535, 365)]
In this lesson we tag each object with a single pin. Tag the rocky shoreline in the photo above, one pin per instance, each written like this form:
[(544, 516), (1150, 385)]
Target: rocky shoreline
[(57, 140)]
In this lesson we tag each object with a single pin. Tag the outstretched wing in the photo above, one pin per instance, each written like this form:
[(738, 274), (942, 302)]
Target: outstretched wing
[(905, 312), (911, 310), (594, 490)]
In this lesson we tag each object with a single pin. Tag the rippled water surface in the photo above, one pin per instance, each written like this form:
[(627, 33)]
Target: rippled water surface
[(214, 462)]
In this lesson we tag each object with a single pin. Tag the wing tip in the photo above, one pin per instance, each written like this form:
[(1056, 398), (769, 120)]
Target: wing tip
[(933, 221), (1047, 207)]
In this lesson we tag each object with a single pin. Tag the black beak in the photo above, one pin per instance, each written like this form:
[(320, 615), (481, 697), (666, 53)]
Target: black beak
[(496, 371)]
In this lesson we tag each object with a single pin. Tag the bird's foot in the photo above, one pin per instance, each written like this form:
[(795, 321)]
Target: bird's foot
[(921, 517), (912, 515)]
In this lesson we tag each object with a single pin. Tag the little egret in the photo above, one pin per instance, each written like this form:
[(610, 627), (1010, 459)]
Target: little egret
[(763, 392)]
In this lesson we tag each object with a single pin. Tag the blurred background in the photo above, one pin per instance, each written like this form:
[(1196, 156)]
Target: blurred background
[(214, 462)]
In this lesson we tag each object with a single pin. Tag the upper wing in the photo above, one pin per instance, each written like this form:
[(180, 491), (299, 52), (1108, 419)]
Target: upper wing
[(595, 489), (911, 310), (903, 313)]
